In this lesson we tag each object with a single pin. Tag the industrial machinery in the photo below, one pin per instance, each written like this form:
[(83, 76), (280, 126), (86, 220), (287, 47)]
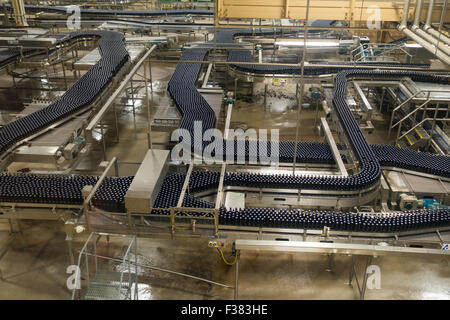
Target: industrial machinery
[(375, 164)]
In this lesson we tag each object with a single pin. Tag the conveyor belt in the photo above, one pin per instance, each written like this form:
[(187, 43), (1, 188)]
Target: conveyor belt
[(370, 164), (109, 12), (67, 189), (80, 95), (194, 108), (57, 188), (414, 220)]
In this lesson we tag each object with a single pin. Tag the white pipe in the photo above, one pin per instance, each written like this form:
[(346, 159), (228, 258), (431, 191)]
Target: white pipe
[(429, 46), (405, 15), (416, 29), (429, 29), (429, 14), (438, 34), (417, 15), (428, 37)]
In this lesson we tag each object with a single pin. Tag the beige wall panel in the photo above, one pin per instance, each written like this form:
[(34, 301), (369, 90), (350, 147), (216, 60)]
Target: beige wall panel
[(320, 9)]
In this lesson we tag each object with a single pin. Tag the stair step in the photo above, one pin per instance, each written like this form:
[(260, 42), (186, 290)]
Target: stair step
[(105, 285), (106, 292), (103, 276), (422, 133), (410, 138), (402, 144)]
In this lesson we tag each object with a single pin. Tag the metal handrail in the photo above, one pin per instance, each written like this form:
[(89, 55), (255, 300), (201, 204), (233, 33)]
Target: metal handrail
[(87, 202), (374, 44), (127, 254), (391, 126), (426, 109), (411, 113), (83, 250), (125, 260), (418, 124), (384, 47)]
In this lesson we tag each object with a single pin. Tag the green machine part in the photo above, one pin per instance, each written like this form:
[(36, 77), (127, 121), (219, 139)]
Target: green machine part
[(315, 94)]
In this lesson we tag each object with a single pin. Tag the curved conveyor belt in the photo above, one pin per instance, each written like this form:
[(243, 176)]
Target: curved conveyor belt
[(67, 189), (194, 108), (57, 188)]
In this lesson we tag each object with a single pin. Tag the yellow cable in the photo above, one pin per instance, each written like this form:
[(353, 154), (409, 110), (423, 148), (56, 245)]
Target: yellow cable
[(225, 260)]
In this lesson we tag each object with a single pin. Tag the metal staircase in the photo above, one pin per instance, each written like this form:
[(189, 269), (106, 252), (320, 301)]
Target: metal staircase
[(414, 139), (110, 285), (379, 52), (412, 119), (101, 281)]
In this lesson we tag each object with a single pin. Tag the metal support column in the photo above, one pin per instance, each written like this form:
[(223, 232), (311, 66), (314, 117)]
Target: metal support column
[(302, 84), (19, 13), (116, 122), (333, 147), (64, 73), (265, 95), (103, 139), (236, 275), (147, 99), (133, 102)]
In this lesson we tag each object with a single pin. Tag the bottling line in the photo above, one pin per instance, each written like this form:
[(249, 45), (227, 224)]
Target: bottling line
[(323, 193)]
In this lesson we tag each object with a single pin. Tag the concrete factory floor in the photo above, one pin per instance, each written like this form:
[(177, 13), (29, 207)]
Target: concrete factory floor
[(35, 265), (35, 268)]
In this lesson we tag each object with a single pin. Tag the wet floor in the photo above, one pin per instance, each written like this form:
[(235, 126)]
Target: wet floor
[(35, 266)]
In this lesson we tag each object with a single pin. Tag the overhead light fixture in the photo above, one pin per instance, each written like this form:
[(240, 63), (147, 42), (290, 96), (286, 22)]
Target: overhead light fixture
[(413, 45), (308, 43)]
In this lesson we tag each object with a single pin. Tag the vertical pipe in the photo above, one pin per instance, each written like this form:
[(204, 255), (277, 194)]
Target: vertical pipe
[(440, 26), (429, 29), (215, 41), (444, 11), (116, 122), (429, 14), (150, 76), (103, 140), (302, 83), (417, 15), (64, 73), (236, 276), (265, 95), (147, 98), (405, 14), (136, 290)]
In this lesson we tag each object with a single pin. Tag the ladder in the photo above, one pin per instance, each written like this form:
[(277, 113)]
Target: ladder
[(101, 280)]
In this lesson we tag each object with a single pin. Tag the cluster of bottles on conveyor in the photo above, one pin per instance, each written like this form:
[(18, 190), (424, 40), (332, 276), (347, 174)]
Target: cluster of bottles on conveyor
[(110, 196), (336, 220), (33, 188), (295, 218), (80, 95)]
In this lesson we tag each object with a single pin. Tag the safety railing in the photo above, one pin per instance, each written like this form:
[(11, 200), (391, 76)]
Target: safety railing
[(83, 252), (419, 124), (189, 214), (422, 106), (127, 261), (101, 283), (377, 50)]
